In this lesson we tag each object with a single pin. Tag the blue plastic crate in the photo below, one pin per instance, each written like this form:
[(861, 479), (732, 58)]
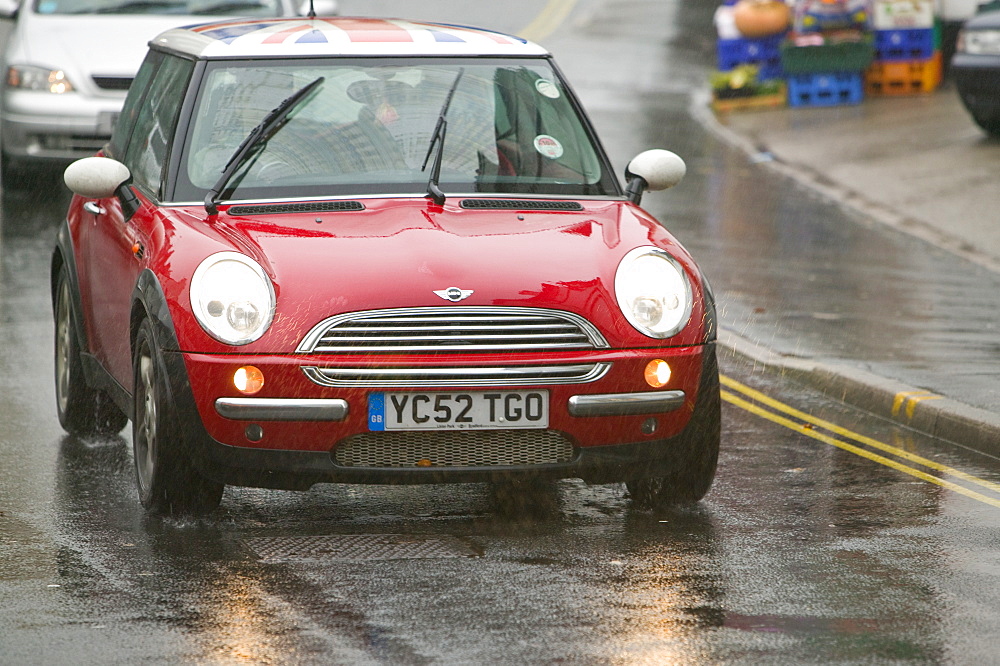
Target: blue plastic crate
[(764, 52), (909, 44), (827, 89)]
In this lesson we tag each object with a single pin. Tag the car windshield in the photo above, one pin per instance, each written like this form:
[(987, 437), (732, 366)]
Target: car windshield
[(189, 7), (369, 127)]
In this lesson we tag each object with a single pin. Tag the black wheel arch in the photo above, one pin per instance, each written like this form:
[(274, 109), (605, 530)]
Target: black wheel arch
[(148, 302), (64, 259)]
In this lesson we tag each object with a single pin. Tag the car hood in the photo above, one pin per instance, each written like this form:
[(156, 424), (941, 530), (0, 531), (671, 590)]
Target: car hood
[(397, 254), (86, 45)]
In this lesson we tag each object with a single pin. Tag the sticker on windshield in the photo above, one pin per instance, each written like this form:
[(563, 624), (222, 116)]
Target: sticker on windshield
[(548, 146), (547, 88)]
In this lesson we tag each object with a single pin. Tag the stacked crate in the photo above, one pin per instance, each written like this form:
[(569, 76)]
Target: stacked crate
[(763, 52), (826, 75), (907, 54), (735, 51), (825, 59)]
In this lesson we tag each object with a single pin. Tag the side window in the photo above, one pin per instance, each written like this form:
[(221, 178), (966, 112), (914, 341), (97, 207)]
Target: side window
[(133, 102), (155, 121)]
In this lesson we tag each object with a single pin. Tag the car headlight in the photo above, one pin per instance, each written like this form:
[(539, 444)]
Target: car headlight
[(653, 292), (979, 42), (26, 77), (232, 298)]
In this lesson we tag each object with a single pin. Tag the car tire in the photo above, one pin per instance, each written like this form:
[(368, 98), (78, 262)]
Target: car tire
[(167, 481), (82, 410), (989, 124), (692, 471)]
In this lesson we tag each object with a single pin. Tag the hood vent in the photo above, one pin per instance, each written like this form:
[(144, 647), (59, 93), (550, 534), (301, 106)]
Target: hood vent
[(519, 204), (310, 207)]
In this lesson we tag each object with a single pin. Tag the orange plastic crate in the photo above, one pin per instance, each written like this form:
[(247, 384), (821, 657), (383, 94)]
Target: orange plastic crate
[(908, 77)]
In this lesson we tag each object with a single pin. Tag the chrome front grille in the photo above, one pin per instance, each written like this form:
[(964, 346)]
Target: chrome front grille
[(474, 448), (453, 329), (527, 375)]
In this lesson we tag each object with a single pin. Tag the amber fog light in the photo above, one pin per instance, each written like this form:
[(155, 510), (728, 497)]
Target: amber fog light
[(657, 373), (248, 379)]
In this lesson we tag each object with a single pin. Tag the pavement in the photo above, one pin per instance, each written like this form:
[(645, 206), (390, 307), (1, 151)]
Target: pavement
[(921, 166)]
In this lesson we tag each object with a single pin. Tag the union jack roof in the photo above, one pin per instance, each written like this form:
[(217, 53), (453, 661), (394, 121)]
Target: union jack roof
[(339, 36)]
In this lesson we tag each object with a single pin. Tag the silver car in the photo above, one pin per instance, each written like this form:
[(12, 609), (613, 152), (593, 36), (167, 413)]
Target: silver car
[(69, 63)]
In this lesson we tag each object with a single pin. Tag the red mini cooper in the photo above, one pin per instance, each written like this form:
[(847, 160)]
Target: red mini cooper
[(372, 251)]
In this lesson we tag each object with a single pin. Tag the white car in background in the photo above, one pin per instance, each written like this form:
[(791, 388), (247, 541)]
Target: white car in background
[(69, 63), (952, 14)]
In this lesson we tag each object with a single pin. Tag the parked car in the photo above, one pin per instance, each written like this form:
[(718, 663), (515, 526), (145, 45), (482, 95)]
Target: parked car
[(976, 69), (359, 250), (951, 15), (69, 63)]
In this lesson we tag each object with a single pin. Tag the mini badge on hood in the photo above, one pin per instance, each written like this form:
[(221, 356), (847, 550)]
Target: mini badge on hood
[(454, 294)]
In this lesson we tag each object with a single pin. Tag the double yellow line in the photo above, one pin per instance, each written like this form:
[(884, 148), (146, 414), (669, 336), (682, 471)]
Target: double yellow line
[(548, 20), (757, 403)]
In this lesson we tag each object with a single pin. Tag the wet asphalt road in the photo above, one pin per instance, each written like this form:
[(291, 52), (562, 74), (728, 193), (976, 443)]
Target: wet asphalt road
[(805, 551)]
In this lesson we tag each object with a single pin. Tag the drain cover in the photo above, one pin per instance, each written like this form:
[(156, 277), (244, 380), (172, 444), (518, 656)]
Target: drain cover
[(360, 547)]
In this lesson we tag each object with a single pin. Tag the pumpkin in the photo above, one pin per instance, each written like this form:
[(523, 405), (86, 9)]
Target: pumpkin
[(761, 18)]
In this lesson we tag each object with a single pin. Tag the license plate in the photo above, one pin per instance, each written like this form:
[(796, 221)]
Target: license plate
[(467, 410)]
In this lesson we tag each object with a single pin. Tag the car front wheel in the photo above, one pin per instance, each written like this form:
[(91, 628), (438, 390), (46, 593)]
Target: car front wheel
[(692, 470), (82, 410), (167, 481)]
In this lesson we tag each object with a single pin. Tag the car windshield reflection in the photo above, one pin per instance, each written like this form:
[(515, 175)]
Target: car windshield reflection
[(511, 128)]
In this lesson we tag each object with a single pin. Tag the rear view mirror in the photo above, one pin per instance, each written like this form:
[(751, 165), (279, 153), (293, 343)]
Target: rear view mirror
[(653, 170), (96, 177)]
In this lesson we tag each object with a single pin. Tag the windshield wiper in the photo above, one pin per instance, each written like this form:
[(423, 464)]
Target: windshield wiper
[(437, 139), (256, 139)]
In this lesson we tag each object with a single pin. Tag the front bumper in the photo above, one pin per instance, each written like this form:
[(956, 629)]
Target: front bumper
[(40, 126), (612, 429)]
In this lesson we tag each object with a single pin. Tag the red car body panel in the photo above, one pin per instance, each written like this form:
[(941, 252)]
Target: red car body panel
[(323, 265)]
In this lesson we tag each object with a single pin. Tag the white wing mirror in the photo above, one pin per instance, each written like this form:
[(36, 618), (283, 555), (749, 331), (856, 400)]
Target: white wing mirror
[(96, 177), (653, 170)]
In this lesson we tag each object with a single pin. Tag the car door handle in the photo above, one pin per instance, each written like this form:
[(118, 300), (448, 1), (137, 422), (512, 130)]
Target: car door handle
[(93, 208)]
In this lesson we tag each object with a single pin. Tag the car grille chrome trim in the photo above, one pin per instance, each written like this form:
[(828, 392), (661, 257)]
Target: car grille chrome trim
[(453, 329), (626, 404), (457, 376), (469, 448), (282, 409)]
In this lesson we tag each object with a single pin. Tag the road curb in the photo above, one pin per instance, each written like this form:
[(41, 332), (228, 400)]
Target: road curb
[(815, 180), (918, 409)]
